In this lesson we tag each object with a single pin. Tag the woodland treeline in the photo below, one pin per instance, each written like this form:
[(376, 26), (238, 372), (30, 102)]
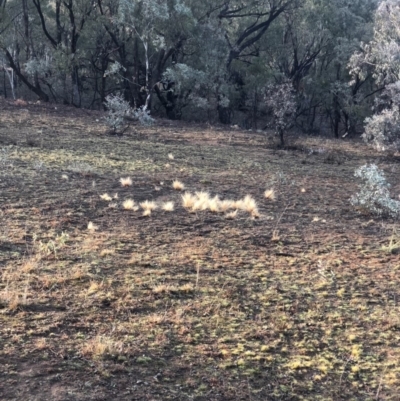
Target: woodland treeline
[(210, 60)]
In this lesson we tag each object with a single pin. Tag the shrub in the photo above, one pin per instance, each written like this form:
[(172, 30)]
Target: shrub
[(119, 112), (382, 130), (374, 196), (281, 100), (143, 116)]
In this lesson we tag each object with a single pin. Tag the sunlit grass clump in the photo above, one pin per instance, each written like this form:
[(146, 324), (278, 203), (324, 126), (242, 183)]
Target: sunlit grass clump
[(227, 204), (188, 200), (202, 200), (178, 185), (126, 182), (231, 215), (168, 206), (148, 207), (130, 204), (248, 204), (214, 204), (270, 194), (91, 226), (105, 197)]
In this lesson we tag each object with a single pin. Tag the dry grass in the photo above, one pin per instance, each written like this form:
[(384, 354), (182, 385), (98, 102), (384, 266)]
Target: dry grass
[(99, 347), (195, 305), (126, 182), (247, 204), (225, 205), (146, 212), (239, 204), (201, 202), (107, 252), (214, 204), (200, 205), (232, 215), (92, 227), (168, 206), (106, 197), (178, 185), (203, 195), (129, 204), (270, 194), (188, 200), (148, 205), (250, 205)]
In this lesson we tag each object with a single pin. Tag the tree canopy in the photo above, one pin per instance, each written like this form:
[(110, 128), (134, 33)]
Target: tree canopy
[(209, 60)]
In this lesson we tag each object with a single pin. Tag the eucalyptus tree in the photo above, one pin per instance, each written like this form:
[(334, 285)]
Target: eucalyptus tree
[(43, 48), (145, 43), (311, 46), (380, 57), (346, 101), (245, 24), (208, 59), (17, 44)]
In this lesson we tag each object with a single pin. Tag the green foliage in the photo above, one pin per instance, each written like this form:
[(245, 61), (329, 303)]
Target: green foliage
[(119, 111), (374, 196), (187, 58)]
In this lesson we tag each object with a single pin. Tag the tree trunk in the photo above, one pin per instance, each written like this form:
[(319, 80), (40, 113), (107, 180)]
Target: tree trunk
[(35, 89), (281, 133), (225, 115), (336, 108)]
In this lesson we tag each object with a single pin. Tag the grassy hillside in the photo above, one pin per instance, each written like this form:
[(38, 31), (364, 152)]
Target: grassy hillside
[(298, 300)]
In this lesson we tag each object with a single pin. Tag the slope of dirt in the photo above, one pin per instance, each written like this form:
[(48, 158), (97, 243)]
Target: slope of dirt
[(298, 303)]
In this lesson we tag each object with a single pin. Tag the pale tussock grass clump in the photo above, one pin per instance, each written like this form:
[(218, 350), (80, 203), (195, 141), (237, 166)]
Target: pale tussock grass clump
[(188, 200), (178, 185), (227, 204), (168, 206), (106, 197), (200, 205), (239, 204), (148, 205), (270, 194), (167, 289), (202, 200), (214, 204), (129, 204), (231, 215), (92, 227), (126, 182), (203, 195), (249, 205)]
